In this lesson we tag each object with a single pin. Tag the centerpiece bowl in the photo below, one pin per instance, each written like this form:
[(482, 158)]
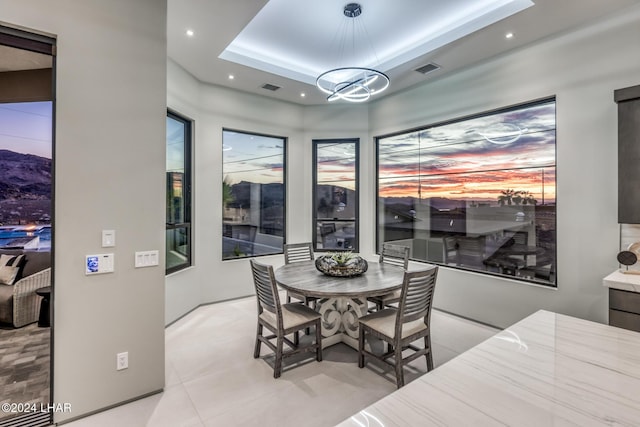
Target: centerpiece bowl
[(341, 264)]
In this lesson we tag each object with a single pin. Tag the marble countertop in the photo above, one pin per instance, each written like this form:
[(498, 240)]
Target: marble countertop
[(546, 370), (619, 280)]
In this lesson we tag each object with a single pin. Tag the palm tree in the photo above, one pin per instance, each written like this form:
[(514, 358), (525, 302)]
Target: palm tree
[(517, 197), (227, 194), (507, 196), (528, 199)]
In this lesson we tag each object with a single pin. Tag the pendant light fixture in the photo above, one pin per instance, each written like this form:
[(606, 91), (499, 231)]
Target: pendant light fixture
[(353, 84)]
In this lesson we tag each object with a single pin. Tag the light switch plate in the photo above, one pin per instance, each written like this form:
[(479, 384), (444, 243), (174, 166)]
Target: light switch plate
[(147, 259), (108, 238)]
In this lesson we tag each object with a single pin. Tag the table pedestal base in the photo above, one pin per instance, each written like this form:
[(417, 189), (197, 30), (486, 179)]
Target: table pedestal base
[(340, 320)]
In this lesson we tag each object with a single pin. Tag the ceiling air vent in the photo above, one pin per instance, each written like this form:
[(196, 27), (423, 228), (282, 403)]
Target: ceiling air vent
[(426, 69), (270, 87)]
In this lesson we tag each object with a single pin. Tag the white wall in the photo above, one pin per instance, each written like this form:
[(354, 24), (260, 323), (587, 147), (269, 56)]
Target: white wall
[(338, 121), (183, 289), (109, 174), (582, 69), (214, 108)]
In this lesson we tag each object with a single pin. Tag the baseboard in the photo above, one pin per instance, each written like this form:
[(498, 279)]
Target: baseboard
[(205, 304), (468, 318), (106, 408)]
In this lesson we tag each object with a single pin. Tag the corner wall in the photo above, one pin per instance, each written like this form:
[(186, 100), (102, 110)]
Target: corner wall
[(582, 69), (215, 108), (109, 174)]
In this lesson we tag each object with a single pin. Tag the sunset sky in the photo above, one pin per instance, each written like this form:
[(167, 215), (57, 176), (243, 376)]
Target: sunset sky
[(337, 164), (253, 158), (25, 127), (175, 145), (474, 160)]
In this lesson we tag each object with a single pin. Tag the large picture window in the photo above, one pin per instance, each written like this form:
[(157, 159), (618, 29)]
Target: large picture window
[(335, 178), (178, 233), (253, 194), (477, 193)]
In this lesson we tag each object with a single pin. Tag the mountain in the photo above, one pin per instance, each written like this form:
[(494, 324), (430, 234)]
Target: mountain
[(24, 176), (434, 202)]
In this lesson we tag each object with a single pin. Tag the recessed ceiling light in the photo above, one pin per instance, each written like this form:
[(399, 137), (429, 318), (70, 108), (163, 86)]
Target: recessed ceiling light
[(509, 35), (231, 77), (190, 33), (303, 94)]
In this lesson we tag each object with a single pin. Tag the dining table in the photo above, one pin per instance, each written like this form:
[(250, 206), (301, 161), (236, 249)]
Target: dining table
[(511, 258), (340, 300)]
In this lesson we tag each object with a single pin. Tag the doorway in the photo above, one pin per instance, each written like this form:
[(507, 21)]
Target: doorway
[(27, 111)]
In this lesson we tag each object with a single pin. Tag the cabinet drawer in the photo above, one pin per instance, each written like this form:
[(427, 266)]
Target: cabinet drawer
[(624, 300), (625, 320)]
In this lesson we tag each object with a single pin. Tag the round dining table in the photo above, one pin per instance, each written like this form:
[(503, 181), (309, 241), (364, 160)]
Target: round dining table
[(514, 258), (341, 300), (520, 249)]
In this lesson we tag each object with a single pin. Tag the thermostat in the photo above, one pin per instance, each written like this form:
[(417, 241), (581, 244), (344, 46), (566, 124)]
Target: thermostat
[(98, 264)]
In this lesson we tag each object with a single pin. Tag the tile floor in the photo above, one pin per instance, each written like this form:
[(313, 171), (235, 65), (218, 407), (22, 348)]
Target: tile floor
[(212, 378), (24, 366)]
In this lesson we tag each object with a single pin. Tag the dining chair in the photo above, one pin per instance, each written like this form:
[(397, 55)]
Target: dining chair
[(394, 255), (471, 251), (299, 252), (328, 235), (521, 237), (281, 320), (545, 265), (401, 326), (449, 249)]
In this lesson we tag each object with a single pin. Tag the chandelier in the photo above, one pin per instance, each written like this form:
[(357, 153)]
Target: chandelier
[(354, 84)]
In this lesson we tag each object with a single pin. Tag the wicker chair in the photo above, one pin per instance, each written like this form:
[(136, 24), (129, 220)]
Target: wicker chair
[(298, 252), (401, 326), (394, 255), (19, 303), (281, 320)]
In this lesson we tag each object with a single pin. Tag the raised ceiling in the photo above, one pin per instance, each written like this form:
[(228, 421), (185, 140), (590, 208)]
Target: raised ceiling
[(324, 38), (285, 43)]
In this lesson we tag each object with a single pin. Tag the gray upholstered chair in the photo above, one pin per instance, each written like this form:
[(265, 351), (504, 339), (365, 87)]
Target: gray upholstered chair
[(394, 255), (281, 320), (19, 303), (298, 252), (401, 326)]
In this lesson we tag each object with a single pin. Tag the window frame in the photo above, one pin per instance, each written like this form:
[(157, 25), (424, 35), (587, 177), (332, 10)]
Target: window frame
[(514, 107), (356, 219), (285, 143), (187, 224)]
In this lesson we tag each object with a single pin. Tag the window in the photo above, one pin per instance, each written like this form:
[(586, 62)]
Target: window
[(253, 194), (335, 184), (178, 248), (477, 193)]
